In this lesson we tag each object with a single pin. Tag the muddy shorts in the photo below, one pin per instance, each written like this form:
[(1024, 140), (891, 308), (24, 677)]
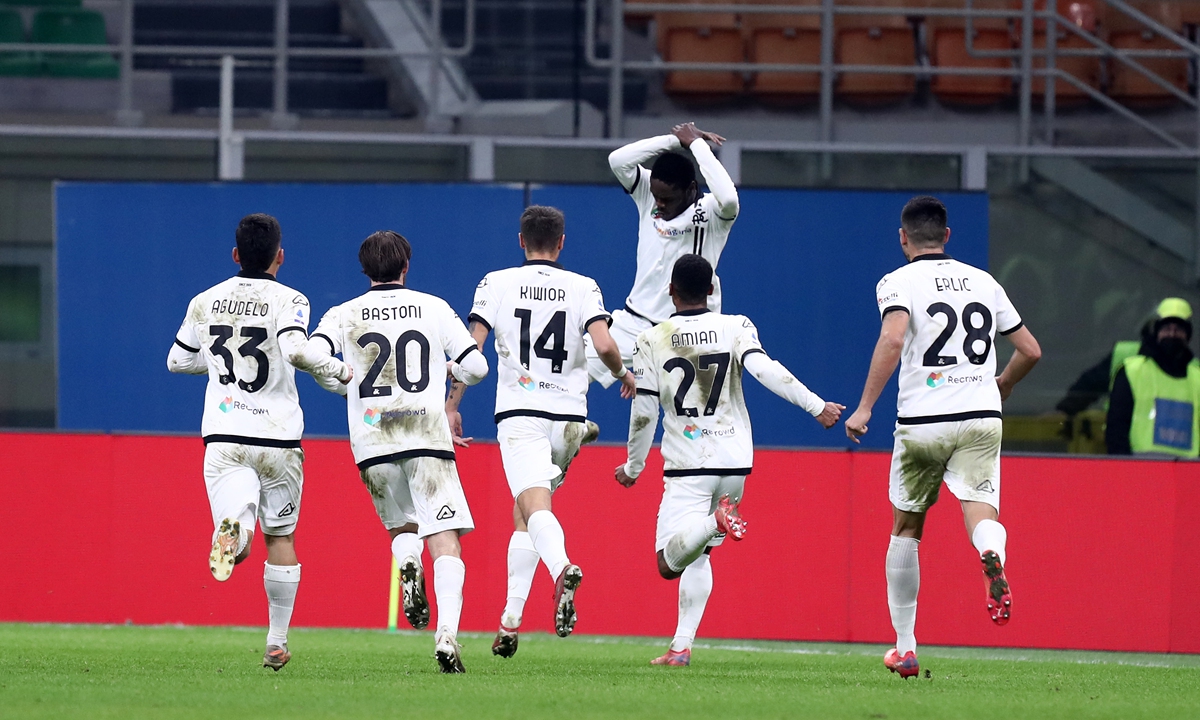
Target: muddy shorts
[(248, 482), (536, 452), (965, 454), (421, 490), (691, 498)]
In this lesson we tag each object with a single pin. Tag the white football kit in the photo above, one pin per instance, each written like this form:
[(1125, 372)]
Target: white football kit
[(948, 410), (397, 341), (242, 332), (692, 365), (539, 313), (702, 229)]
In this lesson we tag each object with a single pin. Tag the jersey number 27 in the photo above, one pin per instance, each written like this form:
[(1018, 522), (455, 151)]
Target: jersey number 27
[(720, 360)]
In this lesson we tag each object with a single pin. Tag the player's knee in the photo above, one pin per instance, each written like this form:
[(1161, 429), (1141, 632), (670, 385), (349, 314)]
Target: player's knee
[(665, 570), (245, 553), (443, 543)]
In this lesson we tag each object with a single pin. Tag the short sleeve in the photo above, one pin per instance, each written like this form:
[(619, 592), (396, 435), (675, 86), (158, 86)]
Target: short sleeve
[(747, 342), (890, 294), (483, 309), (293, 314), (592, 304), (643, 367), (329, 330), (186, 337), (1007, 319), (456, 339)]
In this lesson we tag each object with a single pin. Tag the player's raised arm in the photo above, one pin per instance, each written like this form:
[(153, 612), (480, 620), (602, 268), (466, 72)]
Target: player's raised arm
[(883, 364), (185, 356), (715, 176), (643, 416), (779, 380), (626, 161)]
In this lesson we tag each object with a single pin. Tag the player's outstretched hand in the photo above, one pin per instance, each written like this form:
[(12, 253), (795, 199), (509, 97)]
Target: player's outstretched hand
[(622, 478), (856, 426), (628, 386), (456, 432), (830, 415)]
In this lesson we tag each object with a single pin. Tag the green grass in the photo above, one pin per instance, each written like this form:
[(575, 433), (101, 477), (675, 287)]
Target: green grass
[(124, 672)]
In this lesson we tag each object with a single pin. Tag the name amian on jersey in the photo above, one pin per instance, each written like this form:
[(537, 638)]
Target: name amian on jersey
[(701, 337)]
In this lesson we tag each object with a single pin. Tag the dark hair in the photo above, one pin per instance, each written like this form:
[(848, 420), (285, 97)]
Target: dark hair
[(692, 278), (384, 256), (924, 221), (258, 238), (541, 227), (674, 169)]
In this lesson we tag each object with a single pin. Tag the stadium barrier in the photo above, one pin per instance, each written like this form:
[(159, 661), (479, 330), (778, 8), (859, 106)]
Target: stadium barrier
[(1100, 551)]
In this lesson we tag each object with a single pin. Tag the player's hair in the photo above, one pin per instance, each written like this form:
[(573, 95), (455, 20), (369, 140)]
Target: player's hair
[(384, 256), (258, 238), (541, 227), (924, 221), (673, 169), (692, 277)]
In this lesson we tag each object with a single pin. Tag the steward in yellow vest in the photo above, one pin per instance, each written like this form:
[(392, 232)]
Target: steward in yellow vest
[(1154, 407)]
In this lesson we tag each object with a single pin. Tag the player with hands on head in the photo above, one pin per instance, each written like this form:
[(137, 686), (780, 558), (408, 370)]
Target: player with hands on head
[(674, 219), (540, 313), (398, 341), (940, 319), (691, 365), (248, 334)]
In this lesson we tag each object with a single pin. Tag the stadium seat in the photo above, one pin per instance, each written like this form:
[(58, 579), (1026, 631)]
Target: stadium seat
[(946, 38), (783, 38), (1086, 69), (874, 40), (1129, 86), (12, 30), (76, 27), (701, 37)]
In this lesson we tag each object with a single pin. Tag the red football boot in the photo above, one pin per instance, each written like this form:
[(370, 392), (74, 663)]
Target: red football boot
[(999, 595), (729, 522), (905, 667), (681, 658)]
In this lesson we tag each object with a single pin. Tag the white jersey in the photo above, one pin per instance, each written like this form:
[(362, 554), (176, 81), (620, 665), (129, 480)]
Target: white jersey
[(397, 341), (948, 364), (693, 363), (251, 396), (539, 312), (698, 230)]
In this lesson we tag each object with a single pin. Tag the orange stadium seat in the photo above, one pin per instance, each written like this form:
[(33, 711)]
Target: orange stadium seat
[(701, 37), (1129, 86), (1086, 69), (874, 40), (946, 38), (783, 38)]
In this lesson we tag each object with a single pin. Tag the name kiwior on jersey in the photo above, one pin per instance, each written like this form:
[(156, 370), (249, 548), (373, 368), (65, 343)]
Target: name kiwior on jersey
[(948, 363), (251, 392), (397, 342), (693, 362), (699, 230), (539, 313)]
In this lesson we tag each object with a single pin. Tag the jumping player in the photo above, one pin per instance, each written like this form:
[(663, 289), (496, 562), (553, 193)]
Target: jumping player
[(540, 312), (248, 334), (673, 219), (691, 364), (398, 341), (940, 319)]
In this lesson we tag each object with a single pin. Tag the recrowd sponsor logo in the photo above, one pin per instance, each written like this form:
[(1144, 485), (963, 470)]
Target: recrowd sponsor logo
[(373, 417), (695, 432), (229, 403), (937, 379), (530, 385), (527, 382)]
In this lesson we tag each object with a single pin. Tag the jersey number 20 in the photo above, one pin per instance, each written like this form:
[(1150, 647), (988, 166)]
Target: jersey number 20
[(368, 388), (720, 360)]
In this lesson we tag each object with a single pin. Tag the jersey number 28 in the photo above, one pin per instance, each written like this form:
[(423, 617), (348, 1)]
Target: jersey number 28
[(933, 356)]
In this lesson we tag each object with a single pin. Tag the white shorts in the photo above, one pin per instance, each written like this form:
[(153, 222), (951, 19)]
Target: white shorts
[(965, 454), (248, 482), (421, 490), (690, 498), (536, 452), (625, 329)]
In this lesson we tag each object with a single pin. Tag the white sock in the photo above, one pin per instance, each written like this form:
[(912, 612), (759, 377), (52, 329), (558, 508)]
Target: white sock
[(281, 583), (548, 540), (407, 545), (990, 535), (448, 575), (695, 585), (903, 582), (522, 564), (688, 544)]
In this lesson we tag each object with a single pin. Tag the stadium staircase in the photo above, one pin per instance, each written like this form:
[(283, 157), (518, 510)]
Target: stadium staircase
[(316, 86)]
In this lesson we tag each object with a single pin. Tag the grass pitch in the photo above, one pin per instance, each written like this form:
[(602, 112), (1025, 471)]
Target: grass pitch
[(133, 672)]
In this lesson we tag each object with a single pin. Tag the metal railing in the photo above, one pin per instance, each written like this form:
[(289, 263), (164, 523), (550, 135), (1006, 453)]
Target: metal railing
[(1024, 56)]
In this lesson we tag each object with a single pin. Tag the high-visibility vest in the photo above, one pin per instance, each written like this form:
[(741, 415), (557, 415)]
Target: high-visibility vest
[(1164, 408), (1121, 352)]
